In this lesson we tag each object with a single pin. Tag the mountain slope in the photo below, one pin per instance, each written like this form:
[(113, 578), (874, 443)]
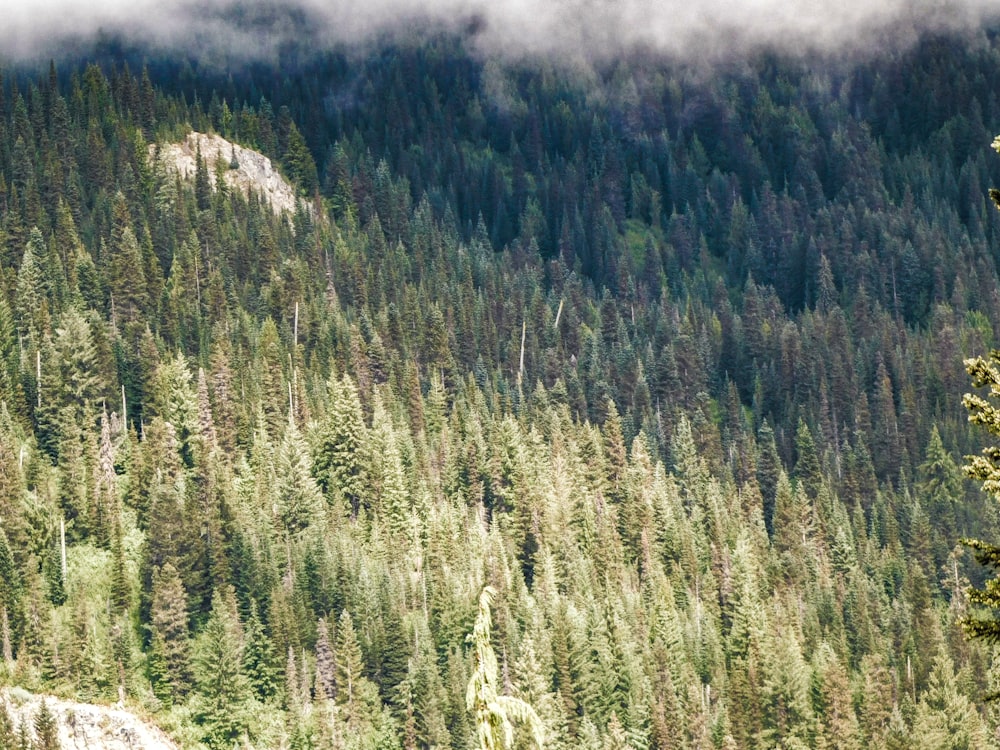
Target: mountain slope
[(673, 364)]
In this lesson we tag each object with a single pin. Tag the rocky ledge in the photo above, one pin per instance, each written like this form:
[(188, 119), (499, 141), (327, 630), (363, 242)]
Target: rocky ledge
[(253, 170), (85, 726)]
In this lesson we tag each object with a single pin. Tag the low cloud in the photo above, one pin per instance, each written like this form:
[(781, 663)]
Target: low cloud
[(587, 29)]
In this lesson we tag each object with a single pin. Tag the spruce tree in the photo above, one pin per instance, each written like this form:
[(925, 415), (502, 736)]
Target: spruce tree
[(46, 729), (939, 488), (259, 663), (11, 592), (326, 667), (354, 691), (337, 445), (8, 737), (297, 497), (493, 712), (124, 275), (219, 679), (768, 471), (32, 290), (171, 639), (807, 468), (983, 411)]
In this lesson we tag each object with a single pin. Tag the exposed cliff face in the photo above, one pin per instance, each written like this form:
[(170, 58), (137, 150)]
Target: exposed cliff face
[(255, 171), (83, 726)]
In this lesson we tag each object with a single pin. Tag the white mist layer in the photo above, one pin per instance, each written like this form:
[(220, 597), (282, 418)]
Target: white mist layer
[(693, 29)]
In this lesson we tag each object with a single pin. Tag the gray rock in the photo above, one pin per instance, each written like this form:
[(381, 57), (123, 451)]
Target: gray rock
[(254, 173), (85, 726)]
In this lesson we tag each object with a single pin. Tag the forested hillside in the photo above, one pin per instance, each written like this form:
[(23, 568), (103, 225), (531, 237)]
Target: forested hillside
[(670, 358)]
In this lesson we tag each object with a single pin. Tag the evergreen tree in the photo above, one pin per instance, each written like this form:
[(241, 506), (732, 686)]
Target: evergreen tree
[(170, 636), (296, 495), (807, 468), (939, 488), (259, 663), (124, 270), (985, 468), (219, 679), (945, 718), (354, 691), (494, 712), (337, 445), (46, 729), (386, 492), (778, 259), (326, 668), (33, 312), (8, 737), (11, 592)]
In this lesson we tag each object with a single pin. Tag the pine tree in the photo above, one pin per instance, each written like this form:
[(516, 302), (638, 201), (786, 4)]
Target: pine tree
[(985, 468), (833, 706), (121, 589), (219, 679), (169, 626), (106, 522), (788, 714), (354, 691), (939, 489), (175, 400), (945, 719), (297, 497), (807, 468), (326, 667), (273, 393), (259, 663), (792, 528), (11, 592), (768, 471), (387, 494), (23, 740), (425, 697), (32, 303), (614, 452), (124, 274), (46, 729), (202, 184), (86, 658), (299, 161), (492, 711), (337, 444), (8, 737)]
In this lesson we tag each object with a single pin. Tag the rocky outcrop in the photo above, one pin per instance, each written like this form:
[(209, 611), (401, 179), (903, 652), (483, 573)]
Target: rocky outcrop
[(254, 171), (84, 726)]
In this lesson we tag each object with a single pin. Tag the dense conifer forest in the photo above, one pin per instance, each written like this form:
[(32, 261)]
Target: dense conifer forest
[(671, 359)]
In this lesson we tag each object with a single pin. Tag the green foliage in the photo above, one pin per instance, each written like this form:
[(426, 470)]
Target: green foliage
[(124, 275), (170, 667), (259, 661), (945, 718), (713, 490), (11, 592), (221, 685), (295, 491), (32, 292), (494, 713), (337, 444), (8, 738), (46, 729), (986, 469)]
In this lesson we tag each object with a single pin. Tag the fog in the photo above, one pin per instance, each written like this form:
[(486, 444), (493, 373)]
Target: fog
[(691, 29)]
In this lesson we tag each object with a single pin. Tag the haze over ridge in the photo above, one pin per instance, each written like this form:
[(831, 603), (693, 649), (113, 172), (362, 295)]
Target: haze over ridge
[(693, 29)]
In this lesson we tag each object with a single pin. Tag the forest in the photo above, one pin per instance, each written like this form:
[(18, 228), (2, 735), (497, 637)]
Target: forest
[(671, 361)]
